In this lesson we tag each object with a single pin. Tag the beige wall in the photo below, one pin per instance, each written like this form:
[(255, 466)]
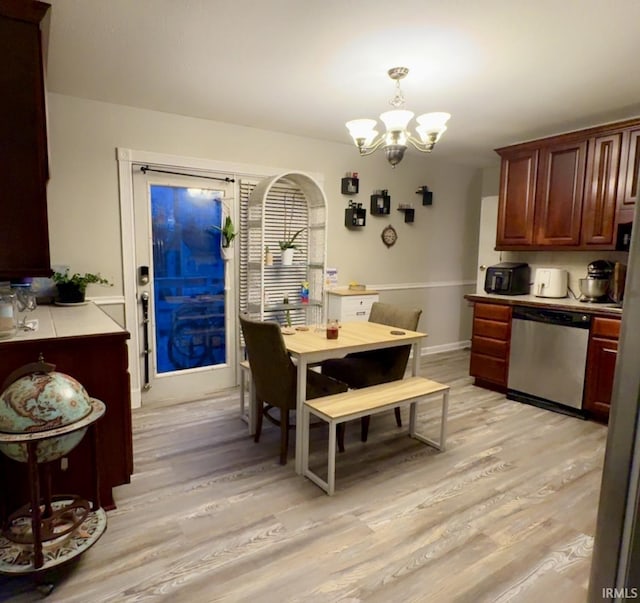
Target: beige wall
[(436, 255)]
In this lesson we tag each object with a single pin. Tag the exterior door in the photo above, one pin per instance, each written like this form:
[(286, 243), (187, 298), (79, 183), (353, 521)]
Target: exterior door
[(185, 287)]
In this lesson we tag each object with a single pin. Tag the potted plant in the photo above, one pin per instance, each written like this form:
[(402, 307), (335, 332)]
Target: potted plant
[(72, 288), (288, 246), (228, 234)]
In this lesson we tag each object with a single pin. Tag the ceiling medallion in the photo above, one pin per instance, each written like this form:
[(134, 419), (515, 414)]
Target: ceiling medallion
[(430, 128), (389, 236)]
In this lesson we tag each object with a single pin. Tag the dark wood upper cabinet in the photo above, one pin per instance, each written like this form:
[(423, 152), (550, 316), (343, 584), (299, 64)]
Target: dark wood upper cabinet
[(23, 141), (630, 171), (569, 191), (518, 177), (559, 201), (601, 190)]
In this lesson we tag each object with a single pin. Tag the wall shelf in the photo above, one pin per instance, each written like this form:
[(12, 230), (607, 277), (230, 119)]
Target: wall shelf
[(409, 213), (349, 186), (355, 217), (427, 195), (380, 203)]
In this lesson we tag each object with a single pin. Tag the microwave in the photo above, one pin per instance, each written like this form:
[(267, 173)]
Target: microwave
[(508, 278)]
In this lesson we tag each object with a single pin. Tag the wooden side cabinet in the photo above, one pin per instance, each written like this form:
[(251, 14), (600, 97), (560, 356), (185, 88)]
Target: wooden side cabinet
[(24, 230), (489, 362), (99, 361), (346, 306), (602, 355)]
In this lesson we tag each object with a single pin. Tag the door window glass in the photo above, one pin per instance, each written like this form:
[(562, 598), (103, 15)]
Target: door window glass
[(188, 279)]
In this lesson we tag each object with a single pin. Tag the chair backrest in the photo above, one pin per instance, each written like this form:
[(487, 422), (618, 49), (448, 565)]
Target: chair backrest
[(394, 359), (273, 373)]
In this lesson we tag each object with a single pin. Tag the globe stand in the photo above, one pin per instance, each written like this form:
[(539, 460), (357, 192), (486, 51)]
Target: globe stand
[(51, 530)]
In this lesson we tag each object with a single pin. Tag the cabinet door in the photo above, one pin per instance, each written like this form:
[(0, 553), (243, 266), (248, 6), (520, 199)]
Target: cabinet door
[(518, 176), (489, 360), (23, 145), (601, 366), (601, 189), (559, 196), (630, 170)]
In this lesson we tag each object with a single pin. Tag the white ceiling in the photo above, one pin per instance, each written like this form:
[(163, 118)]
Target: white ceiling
[(507, 70)]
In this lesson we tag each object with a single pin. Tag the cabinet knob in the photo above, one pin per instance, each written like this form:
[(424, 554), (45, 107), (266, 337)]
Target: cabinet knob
[(482, 267)]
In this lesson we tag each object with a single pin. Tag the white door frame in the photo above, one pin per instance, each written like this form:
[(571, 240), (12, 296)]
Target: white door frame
[(126, 158)]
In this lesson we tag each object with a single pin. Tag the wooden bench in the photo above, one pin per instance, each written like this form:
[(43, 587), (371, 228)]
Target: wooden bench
[(357, 403)]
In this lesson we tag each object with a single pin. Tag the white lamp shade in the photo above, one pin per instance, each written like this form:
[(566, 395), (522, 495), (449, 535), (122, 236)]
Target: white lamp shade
[(396, 120), (432, 122), (362, 128)]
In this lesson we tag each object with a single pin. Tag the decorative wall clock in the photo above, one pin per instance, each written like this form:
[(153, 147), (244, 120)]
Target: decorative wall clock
[(389, 235)]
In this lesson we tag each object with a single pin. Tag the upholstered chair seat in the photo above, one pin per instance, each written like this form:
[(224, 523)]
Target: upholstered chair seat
[(275, 378), (363, 369)]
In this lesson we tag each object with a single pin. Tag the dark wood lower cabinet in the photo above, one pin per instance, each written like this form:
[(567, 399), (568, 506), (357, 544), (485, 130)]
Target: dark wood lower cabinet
[(99, 362), (490, 346), (489, 362), (601, 365)]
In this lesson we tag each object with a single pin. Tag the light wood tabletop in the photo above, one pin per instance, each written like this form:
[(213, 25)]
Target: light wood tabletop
[(312, 346)]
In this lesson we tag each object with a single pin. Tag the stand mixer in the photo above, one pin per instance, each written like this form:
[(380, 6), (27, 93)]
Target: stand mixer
[(595, 287)]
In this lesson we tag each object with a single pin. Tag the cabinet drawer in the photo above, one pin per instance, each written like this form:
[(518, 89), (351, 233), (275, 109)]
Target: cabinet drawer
[(491, 328), (489, 347), (488, 368), (492, 312), (351, 308), (358, 306), (606, 327)]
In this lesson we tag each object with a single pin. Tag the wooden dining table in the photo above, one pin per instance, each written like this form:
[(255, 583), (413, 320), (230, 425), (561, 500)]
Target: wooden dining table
[(310, 347)]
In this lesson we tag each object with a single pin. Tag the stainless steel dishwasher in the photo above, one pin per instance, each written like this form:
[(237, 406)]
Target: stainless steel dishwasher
[(547, 358)]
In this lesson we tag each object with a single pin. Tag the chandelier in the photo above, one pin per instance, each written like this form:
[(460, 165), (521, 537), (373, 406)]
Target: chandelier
[(431, 126)]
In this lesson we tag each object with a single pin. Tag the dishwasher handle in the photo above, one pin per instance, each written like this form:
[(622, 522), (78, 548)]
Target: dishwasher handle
[(577, 320)]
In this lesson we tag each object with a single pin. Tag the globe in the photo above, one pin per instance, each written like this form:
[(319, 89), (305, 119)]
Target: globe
[(39, 403)]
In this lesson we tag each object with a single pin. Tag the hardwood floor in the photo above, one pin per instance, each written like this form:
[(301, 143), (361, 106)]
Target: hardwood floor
[(507, 513)]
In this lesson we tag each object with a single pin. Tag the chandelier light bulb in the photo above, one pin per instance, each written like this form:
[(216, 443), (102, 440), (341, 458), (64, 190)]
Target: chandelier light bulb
[(430, 128)]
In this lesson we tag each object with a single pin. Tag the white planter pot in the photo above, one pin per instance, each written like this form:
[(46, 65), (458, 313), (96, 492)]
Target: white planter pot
[(287, 256), (226, 253)]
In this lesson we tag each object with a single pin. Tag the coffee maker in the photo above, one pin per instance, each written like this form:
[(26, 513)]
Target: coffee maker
[(595, 287)]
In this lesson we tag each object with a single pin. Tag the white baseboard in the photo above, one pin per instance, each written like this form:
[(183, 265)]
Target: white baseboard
[(445, 347)]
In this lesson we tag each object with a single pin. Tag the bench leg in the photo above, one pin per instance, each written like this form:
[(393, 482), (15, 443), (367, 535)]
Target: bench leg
[(331, 468), (243, 383), (413, 408), (305, 439), (441, 444)]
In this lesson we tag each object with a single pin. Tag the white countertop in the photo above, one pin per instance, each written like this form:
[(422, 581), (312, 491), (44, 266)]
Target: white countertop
[(67, 321), (567, 303)]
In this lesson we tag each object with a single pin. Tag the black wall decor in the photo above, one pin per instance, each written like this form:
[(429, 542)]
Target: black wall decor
[(427, 195), (380, 203)]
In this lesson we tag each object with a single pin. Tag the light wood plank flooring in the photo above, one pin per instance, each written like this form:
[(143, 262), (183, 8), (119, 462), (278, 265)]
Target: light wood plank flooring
[(507, 513)]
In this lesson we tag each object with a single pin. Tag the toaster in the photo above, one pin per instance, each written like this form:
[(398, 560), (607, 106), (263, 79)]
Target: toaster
[(508, 278), (550, 282)]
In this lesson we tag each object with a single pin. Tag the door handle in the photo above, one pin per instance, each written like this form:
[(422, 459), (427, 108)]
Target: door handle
[(144, 298)]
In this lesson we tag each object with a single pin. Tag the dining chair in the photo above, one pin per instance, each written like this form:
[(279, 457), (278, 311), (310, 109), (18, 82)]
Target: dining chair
[(275, 378), (362, 369)]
